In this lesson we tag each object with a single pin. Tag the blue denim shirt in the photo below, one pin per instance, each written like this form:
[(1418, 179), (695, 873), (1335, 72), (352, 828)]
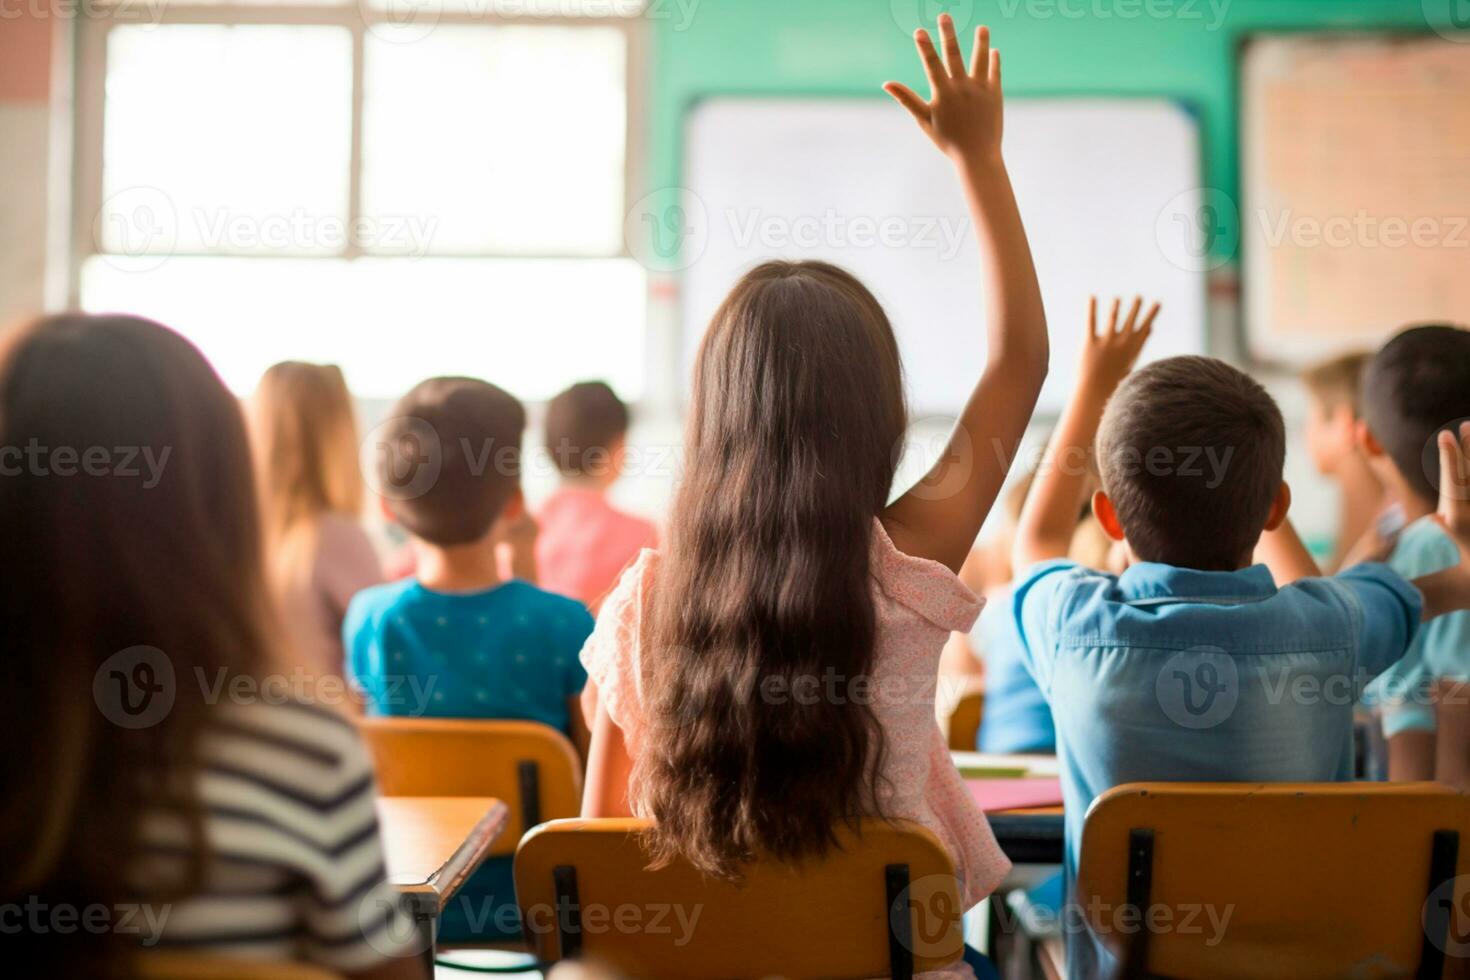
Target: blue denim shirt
[(1016, 717), (1166, 673)]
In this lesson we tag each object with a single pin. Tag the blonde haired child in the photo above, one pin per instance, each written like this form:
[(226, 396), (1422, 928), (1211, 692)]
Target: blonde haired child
[(305, 440)]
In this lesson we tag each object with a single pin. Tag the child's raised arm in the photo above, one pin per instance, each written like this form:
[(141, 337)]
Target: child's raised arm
[(1049, 516), (1449, 590), (941, 516), (1281, 550)]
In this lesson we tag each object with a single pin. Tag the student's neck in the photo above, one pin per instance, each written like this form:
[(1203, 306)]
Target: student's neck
[(463, 568), (1362, 498), (579, 481)]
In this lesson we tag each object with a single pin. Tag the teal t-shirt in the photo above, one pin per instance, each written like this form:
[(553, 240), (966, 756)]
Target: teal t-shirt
[(508, 652), (1441, 649)]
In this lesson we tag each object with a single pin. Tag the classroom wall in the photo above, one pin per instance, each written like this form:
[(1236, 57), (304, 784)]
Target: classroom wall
[(1181, 48), (1185, 49), (25, 88)]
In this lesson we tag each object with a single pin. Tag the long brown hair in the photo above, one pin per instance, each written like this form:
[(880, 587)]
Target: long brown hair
[(131, 523), (795, 416), (304, 433)]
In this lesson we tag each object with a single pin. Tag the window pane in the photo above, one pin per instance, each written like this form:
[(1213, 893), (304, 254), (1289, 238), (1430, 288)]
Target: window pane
[(230, 139), (504, 139), (532, 326), (513, 8)]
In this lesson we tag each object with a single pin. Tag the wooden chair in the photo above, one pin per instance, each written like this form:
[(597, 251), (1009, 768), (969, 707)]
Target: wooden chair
[(532, 767), (964, 720), (584, 888), (156, 965), (1318, 879)]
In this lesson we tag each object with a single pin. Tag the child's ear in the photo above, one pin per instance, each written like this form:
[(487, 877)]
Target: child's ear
[(386, 511), (1279, 507), (1366, 441), (1102, 509)]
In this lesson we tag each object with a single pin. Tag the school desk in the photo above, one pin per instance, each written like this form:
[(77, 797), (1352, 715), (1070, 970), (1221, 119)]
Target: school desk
[(433, 843), (1027, 835)]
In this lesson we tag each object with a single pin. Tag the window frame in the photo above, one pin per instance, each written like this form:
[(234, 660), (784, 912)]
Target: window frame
[(357, 18)]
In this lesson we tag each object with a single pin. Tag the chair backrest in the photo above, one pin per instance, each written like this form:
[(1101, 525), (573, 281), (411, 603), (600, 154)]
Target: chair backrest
[(964, 721), (585, 889), (171, 965), (532, 767), (1290, 880)]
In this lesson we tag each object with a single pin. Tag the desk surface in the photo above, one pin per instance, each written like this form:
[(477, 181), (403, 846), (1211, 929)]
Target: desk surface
[(1030, 836), (433, 843)]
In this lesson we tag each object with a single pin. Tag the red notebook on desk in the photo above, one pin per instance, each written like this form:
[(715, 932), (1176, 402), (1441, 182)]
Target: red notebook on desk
[(1015, 794)]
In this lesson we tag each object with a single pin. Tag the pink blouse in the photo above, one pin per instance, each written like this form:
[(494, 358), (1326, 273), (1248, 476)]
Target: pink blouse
[(918, 603), (585, 543)]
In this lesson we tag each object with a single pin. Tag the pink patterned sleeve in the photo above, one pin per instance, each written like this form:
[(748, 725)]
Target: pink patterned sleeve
[(611, 653)]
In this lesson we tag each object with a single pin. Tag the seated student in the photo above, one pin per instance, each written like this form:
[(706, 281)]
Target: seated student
[(149, 764), (1177, 669), (1017, 717), (304, 435), (1418, 383), (1332, 442), (586, 542), (770, 673), (456, 640)]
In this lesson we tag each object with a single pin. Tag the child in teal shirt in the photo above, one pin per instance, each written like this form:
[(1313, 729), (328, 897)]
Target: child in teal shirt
[(1413, 387), (458, 640)]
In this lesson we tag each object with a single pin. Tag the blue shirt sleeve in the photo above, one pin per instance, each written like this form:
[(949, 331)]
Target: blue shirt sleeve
[(1035, 600), (1390, 610)]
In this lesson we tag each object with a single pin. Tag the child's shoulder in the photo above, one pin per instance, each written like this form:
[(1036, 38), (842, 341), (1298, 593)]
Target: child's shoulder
[(533, 600), (375, 600), (1423, 548), (296, 732)]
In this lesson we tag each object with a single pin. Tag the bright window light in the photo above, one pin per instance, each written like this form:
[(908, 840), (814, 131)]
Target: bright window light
[(226, 139), (507, 139), (487, 238), (531, 326)]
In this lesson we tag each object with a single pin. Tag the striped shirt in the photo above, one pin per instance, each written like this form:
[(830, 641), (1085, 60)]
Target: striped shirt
[(294, 869)]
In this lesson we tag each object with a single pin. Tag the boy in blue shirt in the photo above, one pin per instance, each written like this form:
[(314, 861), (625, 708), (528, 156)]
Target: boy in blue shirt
[(457, 640), (1192, 664), (1418, 383)]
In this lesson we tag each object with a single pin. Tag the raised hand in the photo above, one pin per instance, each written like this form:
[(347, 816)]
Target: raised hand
[(1448, 590), (1109, 354), (1454, 488), (963, 118), (963, 113)]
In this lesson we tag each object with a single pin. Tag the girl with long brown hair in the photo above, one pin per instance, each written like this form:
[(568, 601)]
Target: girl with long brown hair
[(159, 790), (770, 675), (318, 556)]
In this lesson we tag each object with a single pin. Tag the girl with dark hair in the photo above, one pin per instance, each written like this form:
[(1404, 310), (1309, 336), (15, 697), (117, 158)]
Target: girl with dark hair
[(769, 676), (159, 791)]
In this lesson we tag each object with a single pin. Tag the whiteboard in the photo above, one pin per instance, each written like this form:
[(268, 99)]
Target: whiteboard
[(1109, 190), (1355, 177)]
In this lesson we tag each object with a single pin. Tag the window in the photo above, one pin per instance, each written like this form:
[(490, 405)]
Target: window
[(404, 195)]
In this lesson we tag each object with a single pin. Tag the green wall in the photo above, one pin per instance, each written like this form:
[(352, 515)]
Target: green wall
[(1185, 49)]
